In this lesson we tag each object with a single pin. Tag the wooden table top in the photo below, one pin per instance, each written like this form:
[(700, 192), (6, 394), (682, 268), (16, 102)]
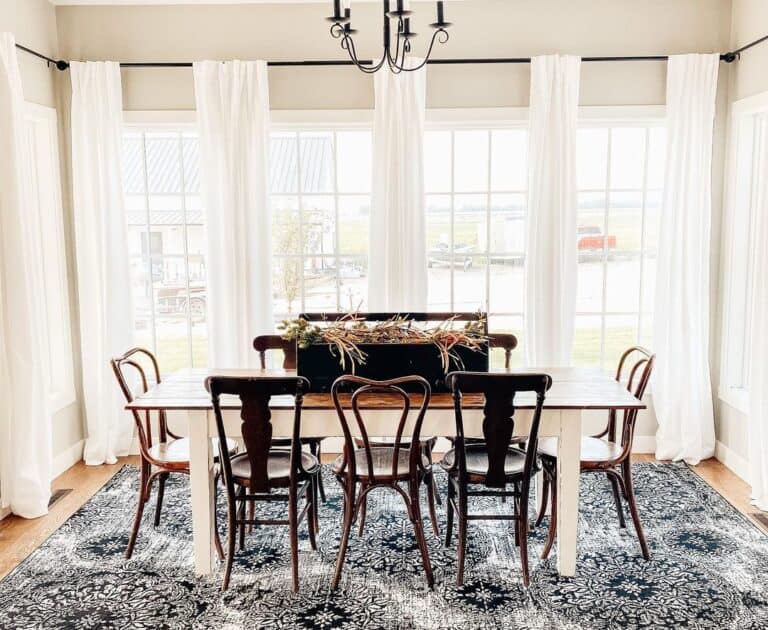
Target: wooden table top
[(572, 388)]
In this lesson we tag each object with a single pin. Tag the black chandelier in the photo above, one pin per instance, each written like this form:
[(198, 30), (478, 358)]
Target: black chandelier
[(394, 54)]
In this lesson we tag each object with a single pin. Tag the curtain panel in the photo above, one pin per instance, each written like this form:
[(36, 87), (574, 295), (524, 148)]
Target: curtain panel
[(103, 274), (682, 392), (397, 279), (550, 245), (233, 119), (25, 421)]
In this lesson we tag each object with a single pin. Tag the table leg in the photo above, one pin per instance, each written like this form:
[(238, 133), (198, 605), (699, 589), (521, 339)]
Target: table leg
[(201, 484), (568, 471)]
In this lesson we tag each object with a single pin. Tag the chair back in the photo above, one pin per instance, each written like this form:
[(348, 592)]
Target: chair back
[(506, 341), (499, 391), (394, 388), (263, 343), (634, 370), (254, 394), (141, 364)]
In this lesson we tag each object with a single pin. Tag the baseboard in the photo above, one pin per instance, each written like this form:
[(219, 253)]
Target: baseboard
[(644, 444), (67, 458), (732, 461)]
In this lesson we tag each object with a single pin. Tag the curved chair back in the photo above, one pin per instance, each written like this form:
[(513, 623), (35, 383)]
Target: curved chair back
[(634, 369), (506, 341), (499, 391), (264, 343), (256, 429), (142, 364), (393, 389)]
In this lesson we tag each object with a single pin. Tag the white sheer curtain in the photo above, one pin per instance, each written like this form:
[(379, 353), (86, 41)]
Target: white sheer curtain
[(758, 337), (551, 257), (233, 117), (397, 279), (25, 422), (103, 276), (682, 393)]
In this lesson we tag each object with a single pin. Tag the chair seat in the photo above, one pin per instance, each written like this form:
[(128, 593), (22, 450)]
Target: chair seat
[(287, 441), (382, 462), (477, 461), (592, 449), (278, 466), (177, 451)]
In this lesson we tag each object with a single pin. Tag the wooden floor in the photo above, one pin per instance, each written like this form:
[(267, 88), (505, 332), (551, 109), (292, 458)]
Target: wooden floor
[(20, 537)]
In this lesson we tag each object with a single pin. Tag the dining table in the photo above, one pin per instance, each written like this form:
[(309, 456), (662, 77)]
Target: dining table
[(182, 396)]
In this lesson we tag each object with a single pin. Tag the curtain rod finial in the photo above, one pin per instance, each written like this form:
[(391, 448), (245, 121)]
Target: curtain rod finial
[(62, 65), (730, 57)]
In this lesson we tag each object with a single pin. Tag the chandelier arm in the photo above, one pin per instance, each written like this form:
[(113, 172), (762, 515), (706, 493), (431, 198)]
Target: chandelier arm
[(349, 44), (444, 37)]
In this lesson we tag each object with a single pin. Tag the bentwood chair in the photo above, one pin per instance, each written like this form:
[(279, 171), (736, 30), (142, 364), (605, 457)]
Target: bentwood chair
[(161, 453), (495, 463), (375, 467), (254, 475), (264, 343), (604, 452)]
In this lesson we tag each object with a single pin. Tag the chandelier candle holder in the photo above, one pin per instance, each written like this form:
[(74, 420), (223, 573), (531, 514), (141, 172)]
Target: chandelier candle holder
[(396, 52)]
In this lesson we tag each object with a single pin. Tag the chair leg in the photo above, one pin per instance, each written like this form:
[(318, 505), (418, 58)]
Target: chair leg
[(522, 539), (216, 535), (349, 515), (312, 512), (143, 496), (293, 528), (418, 526), (231, 537), (241, 517), (319, 455), (160, 494), (617, 499), (316, 501), (449, 513), (430, 483), (516, 512), (627, 470), (363, 510), (552, 519), (544, 498), (462, 516)]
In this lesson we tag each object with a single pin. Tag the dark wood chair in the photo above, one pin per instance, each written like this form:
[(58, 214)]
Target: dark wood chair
[(252, 476), (161, 453), (374, 467), (496, 462), (505, 341), (603, 452), (263, 344)]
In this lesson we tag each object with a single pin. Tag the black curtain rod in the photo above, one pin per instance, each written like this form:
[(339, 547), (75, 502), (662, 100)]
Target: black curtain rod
[(60, 64)]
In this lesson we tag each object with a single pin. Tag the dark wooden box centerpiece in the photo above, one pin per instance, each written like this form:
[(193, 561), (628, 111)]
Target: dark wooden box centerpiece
[(321, 362)]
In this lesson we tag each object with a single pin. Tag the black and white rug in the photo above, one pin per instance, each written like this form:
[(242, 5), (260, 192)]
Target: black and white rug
[(709, 569)]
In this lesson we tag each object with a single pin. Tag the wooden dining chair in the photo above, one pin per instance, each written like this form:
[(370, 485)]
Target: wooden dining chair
[(495, 463), (263, 344), (161, 453), (604, 453), (505, 341), (255, 475), (374, 467)]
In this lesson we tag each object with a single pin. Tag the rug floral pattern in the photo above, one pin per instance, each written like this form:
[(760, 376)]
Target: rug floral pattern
[(709, 569)]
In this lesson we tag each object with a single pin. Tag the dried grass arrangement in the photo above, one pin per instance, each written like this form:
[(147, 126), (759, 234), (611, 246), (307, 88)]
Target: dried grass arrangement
[(347, 334)]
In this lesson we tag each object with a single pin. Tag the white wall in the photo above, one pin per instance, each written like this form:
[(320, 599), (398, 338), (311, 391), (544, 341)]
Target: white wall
[(33, 22)]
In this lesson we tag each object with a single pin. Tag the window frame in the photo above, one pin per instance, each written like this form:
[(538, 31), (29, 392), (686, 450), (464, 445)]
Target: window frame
[(737, 218)]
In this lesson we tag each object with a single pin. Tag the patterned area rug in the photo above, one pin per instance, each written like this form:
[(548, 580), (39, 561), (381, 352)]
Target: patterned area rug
[(709, 569)]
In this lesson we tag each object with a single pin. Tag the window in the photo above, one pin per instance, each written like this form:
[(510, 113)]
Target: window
[(620, 180), (745, 199), (166, 241), (475, 184), (320, 182)]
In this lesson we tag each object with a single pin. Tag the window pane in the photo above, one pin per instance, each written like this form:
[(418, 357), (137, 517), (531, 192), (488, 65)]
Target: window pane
[(592, 158), (620, 334), (625, 221), (191, 156), (439, 284), (507, 285), (133, 164), (589, 296), (163, 163), (627, 157), (470, 161), (286, 227), (438, 224), (657, 146), (652, 219), (353, 279), (286, 282), (316, 162), (470, 228), (320, 284), (437, 161), (283, 163), (587, 340), (622, 290), (507, 324), (353, 157), (507, 225), (354, 216), (509, 161), (318, 224)]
